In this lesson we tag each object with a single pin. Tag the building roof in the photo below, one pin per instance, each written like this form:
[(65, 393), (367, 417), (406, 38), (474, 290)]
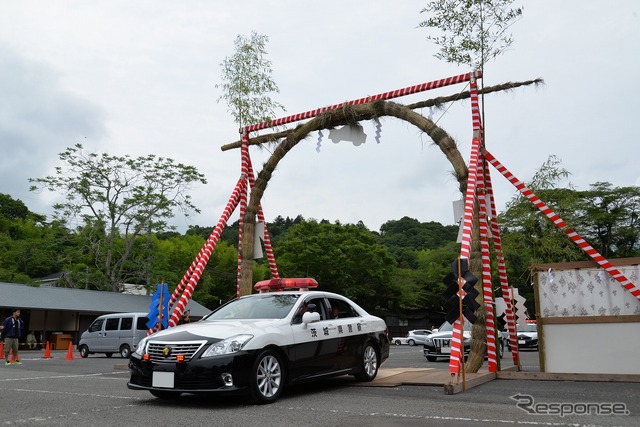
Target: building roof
[(79, 300)]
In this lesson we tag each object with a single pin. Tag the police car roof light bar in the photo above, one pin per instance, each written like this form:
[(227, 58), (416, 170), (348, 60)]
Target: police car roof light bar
[(297, 283)]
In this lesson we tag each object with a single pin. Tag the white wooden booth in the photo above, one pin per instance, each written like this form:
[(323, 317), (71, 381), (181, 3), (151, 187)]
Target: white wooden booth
[(587, 322)]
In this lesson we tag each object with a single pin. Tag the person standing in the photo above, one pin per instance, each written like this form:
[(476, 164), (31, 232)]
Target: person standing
[(11, 333)]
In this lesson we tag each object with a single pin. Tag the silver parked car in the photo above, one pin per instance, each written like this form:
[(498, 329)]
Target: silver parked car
[(418, 336)]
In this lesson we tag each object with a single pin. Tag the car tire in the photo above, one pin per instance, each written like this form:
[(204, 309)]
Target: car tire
[(397, 342), (369, 364), (411, 342), (431, 358), (267, 377), (125, 351), (84, 351), (165, 394), (108, 354)]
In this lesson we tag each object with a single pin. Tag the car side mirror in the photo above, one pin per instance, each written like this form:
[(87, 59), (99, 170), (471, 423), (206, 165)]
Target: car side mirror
[(309, 317)]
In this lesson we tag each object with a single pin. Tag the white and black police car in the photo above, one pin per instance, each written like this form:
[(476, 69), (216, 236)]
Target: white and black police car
[(259, 343)]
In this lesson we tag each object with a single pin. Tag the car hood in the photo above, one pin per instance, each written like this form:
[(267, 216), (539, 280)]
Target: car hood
[(528, 334), (219, 329)]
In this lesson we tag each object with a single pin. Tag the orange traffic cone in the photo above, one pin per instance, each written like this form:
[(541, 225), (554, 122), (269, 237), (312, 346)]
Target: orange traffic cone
[(2, 349), (47, 352), (69, 352)]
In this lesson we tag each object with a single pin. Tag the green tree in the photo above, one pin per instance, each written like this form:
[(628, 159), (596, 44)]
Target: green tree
[(433, 265), (247, 81), (472, 31), (343, 258), (405, 236), (29, 246), (119, 198), (11, 208), (609, 218)]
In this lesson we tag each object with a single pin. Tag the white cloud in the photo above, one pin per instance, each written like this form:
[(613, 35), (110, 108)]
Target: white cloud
[(38, 120)]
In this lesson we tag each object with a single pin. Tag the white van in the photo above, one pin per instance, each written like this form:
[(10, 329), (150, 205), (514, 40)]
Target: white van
[(114, 333)]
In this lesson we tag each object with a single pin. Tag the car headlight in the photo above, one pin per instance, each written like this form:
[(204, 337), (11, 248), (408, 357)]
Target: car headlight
[(141, 347), (227, 346), (428, 341)]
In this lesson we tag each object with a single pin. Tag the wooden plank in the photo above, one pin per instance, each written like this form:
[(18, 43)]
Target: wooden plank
[(627, 318), (584, 264), (561, 376), (474, 381)]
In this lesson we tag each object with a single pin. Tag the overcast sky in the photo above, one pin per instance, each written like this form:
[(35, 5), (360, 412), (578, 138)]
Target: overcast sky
[(138, 77)]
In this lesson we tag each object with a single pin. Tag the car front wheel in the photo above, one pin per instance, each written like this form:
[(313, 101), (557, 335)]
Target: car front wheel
[(84, 351), (267, 377), (412, 342), (368, 364)]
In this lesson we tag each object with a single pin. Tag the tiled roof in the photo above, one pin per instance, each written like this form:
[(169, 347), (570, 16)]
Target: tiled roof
[(79, 300)]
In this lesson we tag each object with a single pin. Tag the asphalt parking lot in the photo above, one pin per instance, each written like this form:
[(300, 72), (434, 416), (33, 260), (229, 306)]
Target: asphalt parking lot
[(93, 392)]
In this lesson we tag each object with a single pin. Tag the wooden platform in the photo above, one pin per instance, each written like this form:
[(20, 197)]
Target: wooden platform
[(439, 377), (557, 376), (426, 376)]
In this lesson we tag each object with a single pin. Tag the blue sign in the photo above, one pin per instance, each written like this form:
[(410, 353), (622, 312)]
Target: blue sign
[(159, 305)]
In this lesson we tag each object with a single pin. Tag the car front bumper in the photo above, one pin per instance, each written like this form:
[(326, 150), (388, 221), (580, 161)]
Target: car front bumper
[(209, 375), (433, 351), (527, 342)]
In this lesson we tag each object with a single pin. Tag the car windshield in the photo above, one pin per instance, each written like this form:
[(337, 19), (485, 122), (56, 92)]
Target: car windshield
[(529, 327), (268, 306), (448, 327)]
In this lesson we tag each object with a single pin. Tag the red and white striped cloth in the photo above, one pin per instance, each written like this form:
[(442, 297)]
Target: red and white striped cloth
[(379, 97), (559, 222)]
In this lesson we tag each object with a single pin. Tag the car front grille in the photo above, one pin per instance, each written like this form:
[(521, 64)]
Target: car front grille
[(168, 351), (442, 342)]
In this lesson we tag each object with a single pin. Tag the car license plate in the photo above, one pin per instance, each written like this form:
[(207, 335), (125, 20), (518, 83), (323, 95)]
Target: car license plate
[(521, 341), (162, 379), (446, 347)]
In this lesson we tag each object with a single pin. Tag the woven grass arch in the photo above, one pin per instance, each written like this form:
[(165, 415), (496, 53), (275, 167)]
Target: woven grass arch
[(349, 114)]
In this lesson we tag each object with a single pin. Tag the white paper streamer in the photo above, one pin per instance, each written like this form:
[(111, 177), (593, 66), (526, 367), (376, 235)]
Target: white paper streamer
[(320, 136), (378, 130)]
